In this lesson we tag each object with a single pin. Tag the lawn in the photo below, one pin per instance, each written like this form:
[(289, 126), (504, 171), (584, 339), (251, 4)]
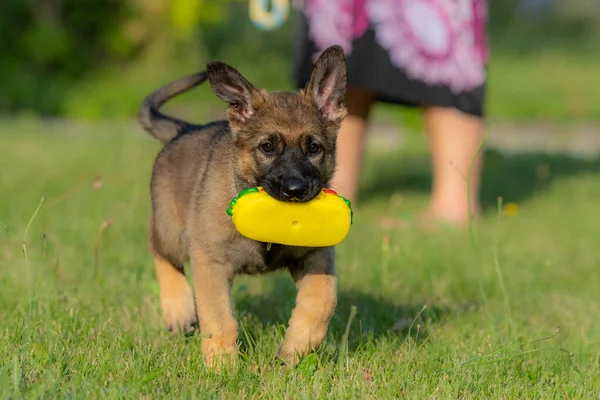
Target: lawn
[(510, 311)]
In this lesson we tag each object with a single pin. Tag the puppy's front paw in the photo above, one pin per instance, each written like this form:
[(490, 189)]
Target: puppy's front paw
[(179, 312), (299, 342), (288, 357), (219, 351)]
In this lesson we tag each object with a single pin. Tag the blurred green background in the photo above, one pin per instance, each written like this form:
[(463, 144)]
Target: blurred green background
[(97, 59)]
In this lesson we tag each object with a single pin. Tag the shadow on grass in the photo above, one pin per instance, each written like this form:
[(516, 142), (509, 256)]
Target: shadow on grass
[(376, 317), (515, 177)]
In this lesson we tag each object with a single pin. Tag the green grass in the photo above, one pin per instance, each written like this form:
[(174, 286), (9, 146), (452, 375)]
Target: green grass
[(72, 328)]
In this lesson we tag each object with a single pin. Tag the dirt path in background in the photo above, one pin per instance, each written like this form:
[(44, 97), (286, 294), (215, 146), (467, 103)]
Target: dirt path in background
[(578, 139)]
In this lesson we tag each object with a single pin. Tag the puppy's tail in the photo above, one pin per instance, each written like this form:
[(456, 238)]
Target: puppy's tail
[(159, 125)]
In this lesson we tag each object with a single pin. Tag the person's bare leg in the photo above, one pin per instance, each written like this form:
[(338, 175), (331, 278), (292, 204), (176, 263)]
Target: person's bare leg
[(454, 139), (350, 143)]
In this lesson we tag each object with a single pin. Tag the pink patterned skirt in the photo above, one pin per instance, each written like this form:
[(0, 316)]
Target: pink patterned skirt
[(410, 52)]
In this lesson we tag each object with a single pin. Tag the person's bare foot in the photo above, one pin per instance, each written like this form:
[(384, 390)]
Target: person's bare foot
[(455, 140)]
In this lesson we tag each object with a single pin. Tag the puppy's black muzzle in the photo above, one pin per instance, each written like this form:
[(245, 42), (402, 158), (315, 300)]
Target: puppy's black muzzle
[(292, 177), (294, 189)]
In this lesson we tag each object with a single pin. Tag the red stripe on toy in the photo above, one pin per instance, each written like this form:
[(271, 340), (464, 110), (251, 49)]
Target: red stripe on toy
[(330, 191)]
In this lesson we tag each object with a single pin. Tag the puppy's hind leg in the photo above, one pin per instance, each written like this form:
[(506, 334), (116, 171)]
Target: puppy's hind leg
[(176, 297), (212, 285)]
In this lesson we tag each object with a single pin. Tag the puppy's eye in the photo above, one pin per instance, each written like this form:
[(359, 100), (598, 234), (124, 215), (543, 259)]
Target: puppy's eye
[(267, 147), (314, 148)]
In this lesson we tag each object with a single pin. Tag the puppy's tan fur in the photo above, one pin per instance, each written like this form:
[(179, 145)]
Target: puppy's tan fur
[(201, 168)]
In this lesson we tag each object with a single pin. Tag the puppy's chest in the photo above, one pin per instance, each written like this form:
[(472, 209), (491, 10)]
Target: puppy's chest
[(264, 258)]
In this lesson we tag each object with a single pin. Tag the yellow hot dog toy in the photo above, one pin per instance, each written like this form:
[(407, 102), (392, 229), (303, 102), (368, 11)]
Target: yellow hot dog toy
[(323, 221)]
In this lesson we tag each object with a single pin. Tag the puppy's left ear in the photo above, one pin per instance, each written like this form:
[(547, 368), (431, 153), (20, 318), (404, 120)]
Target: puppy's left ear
[(231, 87), (327, 84)]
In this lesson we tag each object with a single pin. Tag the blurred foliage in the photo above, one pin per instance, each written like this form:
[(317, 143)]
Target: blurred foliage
[(97, 59), (522, 27), (47, 45)]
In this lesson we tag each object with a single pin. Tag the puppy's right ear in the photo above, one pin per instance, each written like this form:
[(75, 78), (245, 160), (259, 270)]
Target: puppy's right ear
[(231, 87)]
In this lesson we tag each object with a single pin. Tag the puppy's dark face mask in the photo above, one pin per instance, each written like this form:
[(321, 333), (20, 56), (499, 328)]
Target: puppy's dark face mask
[(293, 162), (285, 142)]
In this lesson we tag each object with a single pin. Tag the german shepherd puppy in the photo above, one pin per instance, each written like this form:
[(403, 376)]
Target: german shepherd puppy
[(285, 142)]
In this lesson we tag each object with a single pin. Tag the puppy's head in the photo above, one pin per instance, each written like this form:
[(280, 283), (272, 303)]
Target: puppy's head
[(285, 142)]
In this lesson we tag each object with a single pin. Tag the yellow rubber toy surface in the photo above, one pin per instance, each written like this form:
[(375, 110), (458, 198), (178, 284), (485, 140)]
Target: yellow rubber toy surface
[(323, 221)]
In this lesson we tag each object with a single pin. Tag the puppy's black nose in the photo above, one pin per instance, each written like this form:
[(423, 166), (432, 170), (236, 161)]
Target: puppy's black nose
[(294, 188)]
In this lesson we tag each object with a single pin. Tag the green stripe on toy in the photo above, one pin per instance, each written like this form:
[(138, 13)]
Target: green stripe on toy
[(242, 193)]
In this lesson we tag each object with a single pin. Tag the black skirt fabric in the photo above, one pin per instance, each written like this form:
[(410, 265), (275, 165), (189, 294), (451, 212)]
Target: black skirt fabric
[(411, 52)]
